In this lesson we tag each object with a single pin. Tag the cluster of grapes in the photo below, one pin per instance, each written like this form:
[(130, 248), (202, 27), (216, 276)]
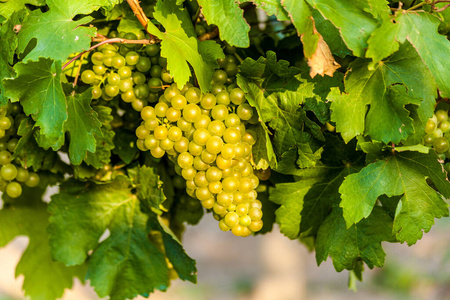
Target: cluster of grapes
[(436, 132), (205, 134), (135, 72), (12, 175)]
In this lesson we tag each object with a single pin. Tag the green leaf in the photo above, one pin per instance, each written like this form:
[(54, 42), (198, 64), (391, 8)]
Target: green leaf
[(124, 265), (83, 125), (421, 30), (273, 7), (104, 141), (9, 7), (182, 263), (150, 192), (227, 15), (263, 153), (301, 16), (38, 88), (352, 19), (362, 241), (57, 34), (45, 279), (371, 87), (180, 49), (402, 174), (125, 145), (8, 48)]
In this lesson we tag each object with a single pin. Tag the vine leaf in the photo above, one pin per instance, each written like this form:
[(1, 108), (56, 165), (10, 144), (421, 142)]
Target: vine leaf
[(82, 125), (421, 30), (274, 8), (374, 87), (227, 15), (403, 174), (300, 14), (104, 141), (124, 265), (322, 61), (57, 34), (179, 49), (9, 7), (38, 88), (44, 278), (347, 246), (355, 19)]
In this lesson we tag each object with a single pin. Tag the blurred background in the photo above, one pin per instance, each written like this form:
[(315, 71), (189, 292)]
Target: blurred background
[(276, 268)]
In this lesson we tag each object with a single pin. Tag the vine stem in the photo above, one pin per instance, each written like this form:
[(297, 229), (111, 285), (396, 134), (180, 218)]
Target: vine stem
[(140, 15), (108, 41), (78, 71), (209, 35)]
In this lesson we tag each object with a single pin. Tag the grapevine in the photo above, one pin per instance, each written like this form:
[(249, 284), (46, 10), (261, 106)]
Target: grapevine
[(329, 119)]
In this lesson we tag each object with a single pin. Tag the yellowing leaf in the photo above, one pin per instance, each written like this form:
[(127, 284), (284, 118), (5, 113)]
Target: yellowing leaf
[(322, 61)]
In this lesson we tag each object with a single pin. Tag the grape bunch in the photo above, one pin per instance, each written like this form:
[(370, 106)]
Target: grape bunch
[(135, 72), (12, 174), (205, 135), (436, 130)]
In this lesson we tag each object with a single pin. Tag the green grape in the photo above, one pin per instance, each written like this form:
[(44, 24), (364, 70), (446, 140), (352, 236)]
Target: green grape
[(88, 76), (200, 179), (216, 128), (175, 134), (238, 230), (208, 101), (207, 157), (99, 70), (112, 90), (152, 50), (161, 132), (138, 104), (152, 97), (113, 79), (193, 95), (173, 115), (166, 77), (182, 145), (12, 144), (440, 144), (142, 132), (245, 221), (141, 91), (441, 116), (5, 123), (125, 85), (166, 144), (231, 219), (202, 122), (185, 160), (8, 172), (97, 58), (223, 98), (246, 185), (231, 70), (199, 164), (232, 135), (217, 88), (139, 78), (118, 61), (178, 102), (131, 58), (155, 85), (162, 61), (128, 96), (5, 157), (213, 174), (143, 65), (219, 112), (148, 112), (249, 138), (14, 189), (22, 175), (228, 151), (220, 77), (444, 126), (151, 142), (201, 136), (230, 184), (191, 112), (428, 139), (214, 145), (265, 174), (255, 225), (184, 125), (124, 72), (430, 127), (155, 71), (223, 163), (157, 152), (244, 111), (447, 167), (171, 92), (161, 109), (232, 120), (437, 133), (96, 92), (199, 30)]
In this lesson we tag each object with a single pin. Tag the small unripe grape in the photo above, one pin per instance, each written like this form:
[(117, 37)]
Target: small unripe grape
[(138, 104), (441, 144), (220, 77), (143, 64), (444, 126), (5, 157), (8, 172), (191, 112), (14, 189), (441, 115), (33, 180), (22, 175)]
